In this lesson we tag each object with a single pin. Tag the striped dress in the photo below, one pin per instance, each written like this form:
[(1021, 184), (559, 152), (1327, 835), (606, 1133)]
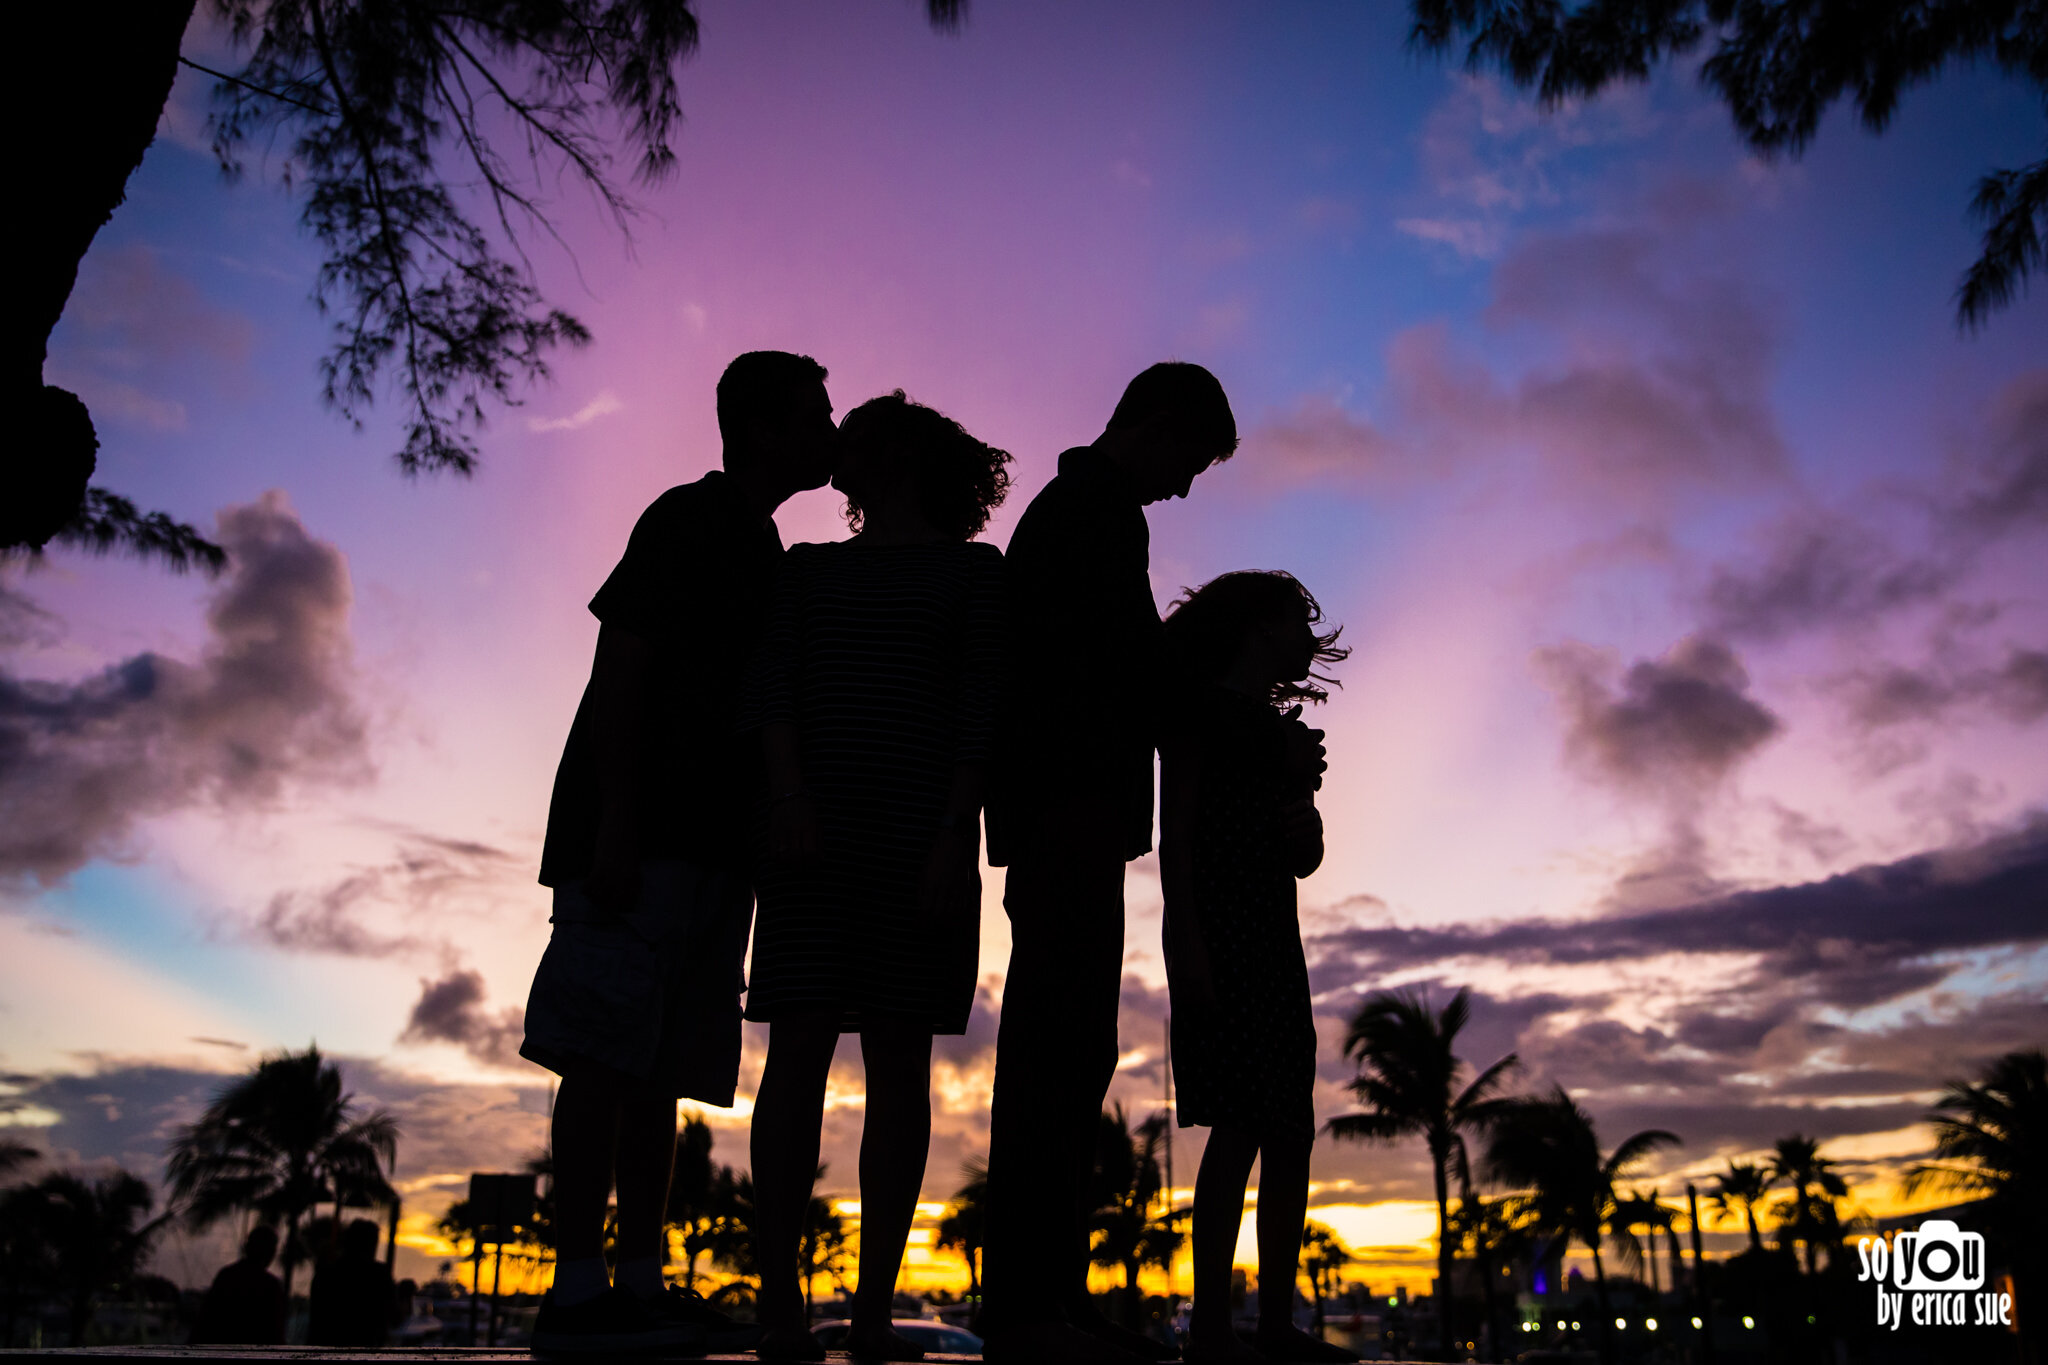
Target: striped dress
[(888, 660)]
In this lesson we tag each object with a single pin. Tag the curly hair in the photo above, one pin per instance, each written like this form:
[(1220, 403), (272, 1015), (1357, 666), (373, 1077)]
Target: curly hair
[(959, 479), (1207, 626)]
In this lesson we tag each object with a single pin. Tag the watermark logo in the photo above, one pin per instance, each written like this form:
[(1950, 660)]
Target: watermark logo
[(1937, 1275)]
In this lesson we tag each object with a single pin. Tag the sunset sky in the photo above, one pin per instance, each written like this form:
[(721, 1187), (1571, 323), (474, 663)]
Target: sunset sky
[(1695, 566)]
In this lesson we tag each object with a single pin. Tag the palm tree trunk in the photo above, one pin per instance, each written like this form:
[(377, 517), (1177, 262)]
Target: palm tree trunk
[(80, 1314), (1606, 1315), (1492, 1310), (286, 1261), (1756, 1239), (1443, 1256)]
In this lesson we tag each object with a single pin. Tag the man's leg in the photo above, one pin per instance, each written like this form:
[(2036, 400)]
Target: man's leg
[(646, 1161), (1055, 1055), (585, 1132)]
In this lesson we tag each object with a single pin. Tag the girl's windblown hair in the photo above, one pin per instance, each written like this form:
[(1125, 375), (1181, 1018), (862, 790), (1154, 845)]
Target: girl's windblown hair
[(1209, 625)]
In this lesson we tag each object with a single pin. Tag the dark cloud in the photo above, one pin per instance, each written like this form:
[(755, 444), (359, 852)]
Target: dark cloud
[(1667, 385), (2012, 478), (128, 311), (1892, 694), (268, 702), (1824, 570), (1855, 939), (451, 1010), (22, 622), (978, 1044), (1820, 570), (1677, 723), (1787, 1020), (1320, 441), (2020, 687), (427, 878)]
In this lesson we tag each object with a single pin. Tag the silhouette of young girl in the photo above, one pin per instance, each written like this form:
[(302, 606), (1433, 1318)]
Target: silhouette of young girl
[(1238, 825), (878, 690)]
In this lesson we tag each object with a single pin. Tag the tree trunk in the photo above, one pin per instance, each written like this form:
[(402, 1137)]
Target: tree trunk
[(1756, 1238), (87, 94), (80, 1314), (288, 1263), (1606, 1313), (1443, 1256), (1492, 1298)]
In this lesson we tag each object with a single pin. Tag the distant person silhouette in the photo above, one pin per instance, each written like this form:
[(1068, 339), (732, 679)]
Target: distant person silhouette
[(879, 687), (1237, 825), (1073, 805), (352, 1298), (636, 1001), (245, 1305)]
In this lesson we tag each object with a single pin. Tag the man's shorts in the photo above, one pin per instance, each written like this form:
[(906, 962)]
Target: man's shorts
[(653, 993)]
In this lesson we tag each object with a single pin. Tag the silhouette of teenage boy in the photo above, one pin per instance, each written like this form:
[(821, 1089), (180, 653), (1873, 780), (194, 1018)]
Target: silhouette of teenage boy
[(1073, 806), (636, 1001), (245, 1306)]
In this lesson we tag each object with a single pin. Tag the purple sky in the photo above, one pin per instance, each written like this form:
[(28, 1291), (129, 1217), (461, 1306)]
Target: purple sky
[(1692, 561)]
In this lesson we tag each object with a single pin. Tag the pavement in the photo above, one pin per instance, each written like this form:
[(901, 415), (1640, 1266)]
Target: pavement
[(343, 1355)]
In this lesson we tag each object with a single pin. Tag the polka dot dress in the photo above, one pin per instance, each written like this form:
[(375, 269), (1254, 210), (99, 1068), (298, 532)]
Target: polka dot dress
[(1249, 1061)]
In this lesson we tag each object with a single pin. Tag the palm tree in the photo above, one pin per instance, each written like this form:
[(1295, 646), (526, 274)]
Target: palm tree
[(1546, 1145), (1991, 1140), (1128, 1183), (1645, 1211), (1495, 1234), (278, 1142), (91, 1235), (1743, 1186), (14, 1156), (729, 1233), (1808, 1213), (966, 1222), (821, 1244), (1323, 1254), (1407, 1081), (692, 1183)]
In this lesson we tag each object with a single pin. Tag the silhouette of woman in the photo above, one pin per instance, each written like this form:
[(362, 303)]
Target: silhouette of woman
[(1238, 825), (878, 688)]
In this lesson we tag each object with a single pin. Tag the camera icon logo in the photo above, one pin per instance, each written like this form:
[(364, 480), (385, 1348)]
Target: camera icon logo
[(1940, 1256)]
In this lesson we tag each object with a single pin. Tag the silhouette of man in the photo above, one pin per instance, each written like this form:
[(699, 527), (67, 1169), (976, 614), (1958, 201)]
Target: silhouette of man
[(636, 1001), (245, 1304), (352, 1300), (1074, 805)]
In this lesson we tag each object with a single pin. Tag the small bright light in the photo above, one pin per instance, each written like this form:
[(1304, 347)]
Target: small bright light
[(1575, 1327), (1621, 1323), (1650, 1323), (1748, 1321), (1809, 1319), (1696, 1324)]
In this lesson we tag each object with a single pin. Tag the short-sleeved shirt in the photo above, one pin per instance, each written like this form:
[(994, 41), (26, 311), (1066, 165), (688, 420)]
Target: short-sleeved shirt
[(694, 586), (1084, 649)]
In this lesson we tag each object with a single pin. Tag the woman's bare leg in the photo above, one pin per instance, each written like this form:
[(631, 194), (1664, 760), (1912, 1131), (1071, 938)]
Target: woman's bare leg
[(788, 1112), (1283, 1210), (1219, 1209), (894, 1143)]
